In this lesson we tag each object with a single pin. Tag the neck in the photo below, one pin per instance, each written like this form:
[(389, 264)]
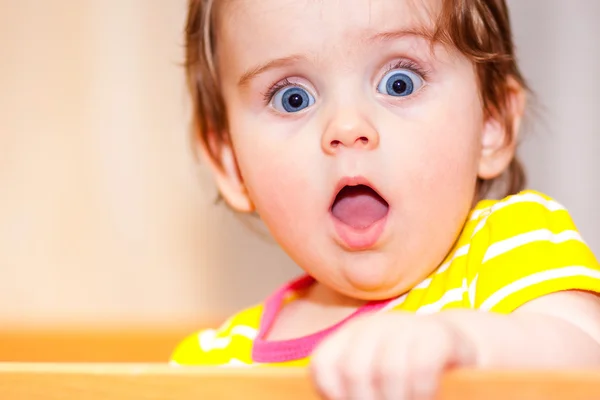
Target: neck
[(324, 296)]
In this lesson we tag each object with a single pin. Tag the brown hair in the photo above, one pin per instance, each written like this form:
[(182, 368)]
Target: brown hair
[(479, 29)]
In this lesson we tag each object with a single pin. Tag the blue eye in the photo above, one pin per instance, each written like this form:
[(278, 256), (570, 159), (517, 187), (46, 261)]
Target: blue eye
[(292, 99), (400, 83)]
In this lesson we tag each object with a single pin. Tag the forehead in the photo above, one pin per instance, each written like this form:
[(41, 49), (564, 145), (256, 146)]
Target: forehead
[(278, 28)]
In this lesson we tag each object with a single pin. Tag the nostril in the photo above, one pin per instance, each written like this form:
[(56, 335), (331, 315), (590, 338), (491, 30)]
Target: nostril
[(363, 140), (335, 143)]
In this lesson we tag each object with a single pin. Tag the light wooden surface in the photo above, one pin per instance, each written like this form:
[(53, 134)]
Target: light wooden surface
[(148, 381), (159, 381), (94, 344)]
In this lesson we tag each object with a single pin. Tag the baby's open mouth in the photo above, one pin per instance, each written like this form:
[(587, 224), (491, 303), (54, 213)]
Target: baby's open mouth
[(359, 206)]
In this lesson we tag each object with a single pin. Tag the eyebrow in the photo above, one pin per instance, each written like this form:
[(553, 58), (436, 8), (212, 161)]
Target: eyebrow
[(400, 34), (276, 63), (253, 72)]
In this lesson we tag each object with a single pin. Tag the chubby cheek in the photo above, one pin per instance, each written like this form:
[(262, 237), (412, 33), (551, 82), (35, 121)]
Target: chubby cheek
[(448, 165), (448, 145), (439, 158), (454, 152), (448, 183), (282, 186)]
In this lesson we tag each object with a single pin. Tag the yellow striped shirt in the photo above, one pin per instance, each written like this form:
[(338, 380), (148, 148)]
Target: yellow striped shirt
[(510, 252)]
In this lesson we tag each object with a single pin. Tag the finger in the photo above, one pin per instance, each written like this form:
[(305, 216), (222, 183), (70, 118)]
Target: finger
[(429, 355), (342, 364), (359, 360), (324, 363), (390, 374)]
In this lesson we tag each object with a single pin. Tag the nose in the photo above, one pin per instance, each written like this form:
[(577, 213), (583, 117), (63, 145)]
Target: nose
[(349, 129)]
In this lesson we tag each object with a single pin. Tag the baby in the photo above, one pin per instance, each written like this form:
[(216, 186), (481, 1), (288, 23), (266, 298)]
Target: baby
[(376, 140)]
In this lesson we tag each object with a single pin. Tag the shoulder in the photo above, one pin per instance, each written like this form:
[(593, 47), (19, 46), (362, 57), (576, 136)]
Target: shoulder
[(524, 247), (523, 206), (529, 213), (231, 343)]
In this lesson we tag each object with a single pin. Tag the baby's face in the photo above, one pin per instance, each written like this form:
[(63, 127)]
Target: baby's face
[(359, 147)]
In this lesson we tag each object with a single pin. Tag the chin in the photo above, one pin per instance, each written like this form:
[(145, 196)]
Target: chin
[(373, 295), (372, 287)]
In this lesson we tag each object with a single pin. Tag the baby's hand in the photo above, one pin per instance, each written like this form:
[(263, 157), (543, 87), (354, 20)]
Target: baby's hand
[(389, 356)]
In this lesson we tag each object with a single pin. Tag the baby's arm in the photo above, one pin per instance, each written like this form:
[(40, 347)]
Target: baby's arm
[(558, 330), (402, 356)]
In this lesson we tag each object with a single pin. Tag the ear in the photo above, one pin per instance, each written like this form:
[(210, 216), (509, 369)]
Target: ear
[(501, 132), (227, 176)]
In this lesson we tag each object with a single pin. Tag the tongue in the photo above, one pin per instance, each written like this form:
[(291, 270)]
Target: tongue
[(359, 206)]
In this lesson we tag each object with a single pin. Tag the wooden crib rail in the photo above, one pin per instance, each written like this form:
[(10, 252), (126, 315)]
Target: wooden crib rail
[(46, 381)]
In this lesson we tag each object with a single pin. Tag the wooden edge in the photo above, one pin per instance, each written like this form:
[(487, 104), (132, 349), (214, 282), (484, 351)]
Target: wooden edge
[(115, 344), (150, 381), (47, 381), (135, 369)]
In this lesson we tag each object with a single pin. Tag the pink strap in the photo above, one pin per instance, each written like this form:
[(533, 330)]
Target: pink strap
[(264, 351)]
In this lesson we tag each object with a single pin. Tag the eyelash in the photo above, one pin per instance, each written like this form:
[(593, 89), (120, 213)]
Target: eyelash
[(401, 64), (268, 96), (409, 65)]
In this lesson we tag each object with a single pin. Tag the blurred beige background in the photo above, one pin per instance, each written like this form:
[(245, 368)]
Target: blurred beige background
[(105, 218)]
